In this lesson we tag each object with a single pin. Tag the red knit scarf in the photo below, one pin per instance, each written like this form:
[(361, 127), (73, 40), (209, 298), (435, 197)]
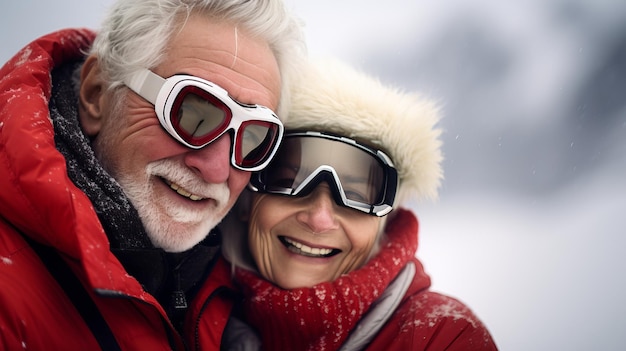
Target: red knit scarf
[(321, 317)]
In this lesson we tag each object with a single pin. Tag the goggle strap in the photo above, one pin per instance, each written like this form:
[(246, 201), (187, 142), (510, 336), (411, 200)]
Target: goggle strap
[(146, 84)]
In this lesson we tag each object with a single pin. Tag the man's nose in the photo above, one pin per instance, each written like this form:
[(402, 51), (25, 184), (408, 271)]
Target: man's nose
[(212, 162)]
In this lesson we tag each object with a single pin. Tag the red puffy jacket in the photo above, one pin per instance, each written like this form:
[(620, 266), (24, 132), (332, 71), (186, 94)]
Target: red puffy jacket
[(39, 201)]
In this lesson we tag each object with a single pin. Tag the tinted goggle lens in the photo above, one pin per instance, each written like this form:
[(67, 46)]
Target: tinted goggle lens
[(358, 176), (257, 140), (198, 117)]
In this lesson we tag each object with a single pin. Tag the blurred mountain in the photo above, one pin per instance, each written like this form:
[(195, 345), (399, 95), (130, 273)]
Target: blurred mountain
[(527, 107)]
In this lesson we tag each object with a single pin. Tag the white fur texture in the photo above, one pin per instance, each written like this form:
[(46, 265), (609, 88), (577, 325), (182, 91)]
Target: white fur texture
[(330, 96)]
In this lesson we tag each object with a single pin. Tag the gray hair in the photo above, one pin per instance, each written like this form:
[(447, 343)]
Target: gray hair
[(135, 33)]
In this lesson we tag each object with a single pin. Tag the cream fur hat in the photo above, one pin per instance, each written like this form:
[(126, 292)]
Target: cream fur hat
[(330, 96)]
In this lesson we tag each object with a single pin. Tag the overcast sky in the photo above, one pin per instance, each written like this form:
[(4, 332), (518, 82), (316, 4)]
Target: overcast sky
[(529, 227)]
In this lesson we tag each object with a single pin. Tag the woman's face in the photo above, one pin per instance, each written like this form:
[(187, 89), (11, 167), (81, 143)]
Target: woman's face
[(303, 241)]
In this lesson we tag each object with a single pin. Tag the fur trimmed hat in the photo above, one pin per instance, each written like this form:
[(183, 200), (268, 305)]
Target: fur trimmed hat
[(330, 96)]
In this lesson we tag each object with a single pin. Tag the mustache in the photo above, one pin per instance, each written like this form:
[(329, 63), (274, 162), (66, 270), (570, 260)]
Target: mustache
[(182, 176)]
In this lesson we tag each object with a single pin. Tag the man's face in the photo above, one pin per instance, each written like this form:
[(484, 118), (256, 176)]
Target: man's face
[(180, 193)]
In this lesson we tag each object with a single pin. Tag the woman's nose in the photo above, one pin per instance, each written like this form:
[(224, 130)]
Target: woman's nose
[(319, 212)]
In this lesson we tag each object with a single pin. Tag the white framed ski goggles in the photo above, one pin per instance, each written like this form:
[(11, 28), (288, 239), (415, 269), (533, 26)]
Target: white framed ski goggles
[(360, 177), (197, 112)]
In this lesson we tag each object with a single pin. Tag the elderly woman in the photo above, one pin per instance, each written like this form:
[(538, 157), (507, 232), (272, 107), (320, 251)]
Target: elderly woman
[(326, 258)]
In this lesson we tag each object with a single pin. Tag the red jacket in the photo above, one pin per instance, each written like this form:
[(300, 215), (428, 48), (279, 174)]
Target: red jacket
[(385, 305), (39, 201)]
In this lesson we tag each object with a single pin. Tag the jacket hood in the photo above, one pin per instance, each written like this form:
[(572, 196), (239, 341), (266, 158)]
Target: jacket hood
[(330, 96), (36, 191), (38, 199)]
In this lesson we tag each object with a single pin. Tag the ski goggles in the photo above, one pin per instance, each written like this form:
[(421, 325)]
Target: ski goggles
[(360, 177), (197, 112)]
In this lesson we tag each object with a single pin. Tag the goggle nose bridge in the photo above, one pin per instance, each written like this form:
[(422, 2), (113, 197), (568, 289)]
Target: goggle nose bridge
[(323, 173)]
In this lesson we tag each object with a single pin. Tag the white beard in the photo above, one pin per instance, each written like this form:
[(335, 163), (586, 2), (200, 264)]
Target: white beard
[(170, 226)]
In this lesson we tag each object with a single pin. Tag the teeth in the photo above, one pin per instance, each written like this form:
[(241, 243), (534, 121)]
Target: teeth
[(182, 191), (309, 250)]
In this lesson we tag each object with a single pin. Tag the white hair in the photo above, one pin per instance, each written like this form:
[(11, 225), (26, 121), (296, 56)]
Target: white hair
[(135, 33)]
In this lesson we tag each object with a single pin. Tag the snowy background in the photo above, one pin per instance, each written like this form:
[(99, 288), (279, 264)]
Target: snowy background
[(530, 226)]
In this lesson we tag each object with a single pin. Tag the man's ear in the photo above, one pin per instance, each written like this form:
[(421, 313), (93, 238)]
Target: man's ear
[(91, 97)]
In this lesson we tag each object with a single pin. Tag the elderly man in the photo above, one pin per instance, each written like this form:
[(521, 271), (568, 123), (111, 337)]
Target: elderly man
[(117, 166)]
